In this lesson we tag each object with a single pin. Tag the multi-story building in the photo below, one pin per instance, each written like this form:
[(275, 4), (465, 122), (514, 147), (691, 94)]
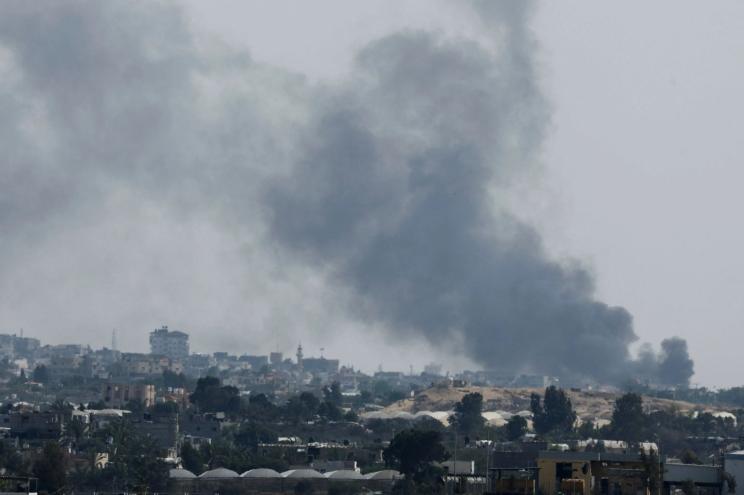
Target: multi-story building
[(66, 350), (97, 364), (320, 365), (276, 358), (66, 366), (32, 424), (7, 347), (14, 347), (162, 428), (142, 365), (255, 362), (116, 395), (173, 344), (198, 364), (598, 473), (26, 347), (734, 466)]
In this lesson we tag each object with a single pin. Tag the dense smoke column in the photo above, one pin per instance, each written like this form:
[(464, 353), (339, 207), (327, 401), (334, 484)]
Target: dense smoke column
[(395, 196), (675, 366), (393, 181)]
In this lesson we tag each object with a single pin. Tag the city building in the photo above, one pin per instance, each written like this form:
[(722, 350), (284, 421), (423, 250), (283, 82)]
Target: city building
[(7, 347), (733, 464), (587, 473), (117, 395), (704, 478), (320, 365), (199, 364), (32, 424), (170, 343), (255, 362), (15, 347), (144, 365), (276, 358)]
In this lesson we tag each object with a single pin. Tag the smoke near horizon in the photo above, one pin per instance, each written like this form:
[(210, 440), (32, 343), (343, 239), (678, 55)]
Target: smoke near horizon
[(146, 167)]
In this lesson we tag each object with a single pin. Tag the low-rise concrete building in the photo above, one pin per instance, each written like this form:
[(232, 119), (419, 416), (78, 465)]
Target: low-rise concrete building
[(588, 473), (705, 478), (117, 395), (733, 464), (33, 424)]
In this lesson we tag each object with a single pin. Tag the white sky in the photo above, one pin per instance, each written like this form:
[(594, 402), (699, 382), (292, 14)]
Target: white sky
[(643, 163)]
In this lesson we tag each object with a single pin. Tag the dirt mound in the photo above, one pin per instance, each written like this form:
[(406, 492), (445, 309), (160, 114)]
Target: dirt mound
[(588, 404)]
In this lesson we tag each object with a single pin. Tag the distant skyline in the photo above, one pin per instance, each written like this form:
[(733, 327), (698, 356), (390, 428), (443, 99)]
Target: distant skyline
[(638, 178)]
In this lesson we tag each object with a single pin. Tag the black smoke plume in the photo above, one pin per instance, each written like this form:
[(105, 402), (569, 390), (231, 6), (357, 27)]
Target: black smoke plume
[(392, 183)]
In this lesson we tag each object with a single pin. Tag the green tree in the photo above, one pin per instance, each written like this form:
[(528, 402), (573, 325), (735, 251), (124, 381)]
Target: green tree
[(11, 460), (413, 451), (260, 409), (333, 394), (587, 429), (302, 407), (250, 435), (730, 480), (191, 459), (175, 380), (223, 452), (467, 418), (61, 407), (41, 374), (516, 427), (383, 391), (652, 468), (76, 429), (351, 416), (690, 457), (365, 397), (211, 396), (330, 411), (50, 467), (554, 413), (628, 420), (135, 460)]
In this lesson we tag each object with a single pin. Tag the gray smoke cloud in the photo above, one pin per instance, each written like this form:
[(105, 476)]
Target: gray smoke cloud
[(390, 187)]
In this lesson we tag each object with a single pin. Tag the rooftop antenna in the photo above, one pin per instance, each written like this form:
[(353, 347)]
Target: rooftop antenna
[(113, 339), (321, 352), (21, 333)]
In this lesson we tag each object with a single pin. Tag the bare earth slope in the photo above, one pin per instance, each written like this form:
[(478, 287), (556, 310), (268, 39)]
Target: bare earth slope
[(588, 404)]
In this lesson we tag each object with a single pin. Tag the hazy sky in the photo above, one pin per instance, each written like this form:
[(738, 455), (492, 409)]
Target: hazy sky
[(640, 180), (644, 158)]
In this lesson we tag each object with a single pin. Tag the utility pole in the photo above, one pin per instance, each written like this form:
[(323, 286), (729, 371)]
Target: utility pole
[(454, 462), (488, 459)]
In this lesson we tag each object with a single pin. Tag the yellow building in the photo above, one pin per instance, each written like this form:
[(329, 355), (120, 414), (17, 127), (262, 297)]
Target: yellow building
[(117, 395), (593, 473)]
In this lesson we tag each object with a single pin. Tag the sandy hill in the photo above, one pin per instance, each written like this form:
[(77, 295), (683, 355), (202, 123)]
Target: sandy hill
[(588, 404)]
